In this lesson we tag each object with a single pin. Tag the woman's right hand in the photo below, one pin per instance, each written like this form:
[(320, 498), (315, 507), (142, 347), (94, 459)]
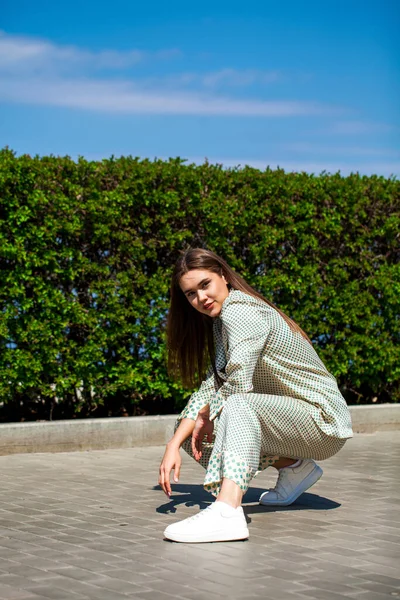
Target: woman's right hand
[(203, 428), (171, 460)]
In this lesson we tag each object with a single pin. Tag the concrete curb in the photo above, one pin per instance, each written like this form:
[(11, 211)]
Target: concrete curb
[(129, 432), (379, 417)]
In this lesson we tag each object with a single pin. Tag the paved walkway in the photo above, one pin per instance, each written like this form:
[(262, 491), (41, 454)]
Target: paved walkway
[(89, 526)]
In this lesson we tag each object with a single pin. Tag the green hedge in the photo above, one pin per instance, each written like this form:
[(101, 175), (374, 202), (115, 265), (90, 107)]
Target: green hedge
[(87, 248)]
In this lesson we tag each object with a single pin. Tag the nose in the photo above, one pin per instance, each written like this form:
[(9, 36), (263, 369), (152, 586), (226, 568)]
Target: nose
[(202, 296)]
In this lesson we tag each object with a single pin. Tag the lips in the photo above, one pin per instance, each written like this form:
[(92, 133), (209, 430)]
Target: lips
[(208, 306)]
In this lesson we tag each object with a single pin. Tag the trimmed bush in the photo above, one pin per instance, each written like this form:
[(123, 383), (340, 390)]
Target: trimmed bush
[(87, 249)]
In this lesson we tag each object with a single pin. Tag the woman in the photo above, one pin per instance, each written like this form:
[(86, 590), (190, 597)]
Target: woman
[(267, 399)]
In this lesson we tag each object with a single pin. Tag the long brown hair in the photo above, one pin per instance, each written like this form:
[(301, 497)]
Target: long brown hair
[(190, 333)]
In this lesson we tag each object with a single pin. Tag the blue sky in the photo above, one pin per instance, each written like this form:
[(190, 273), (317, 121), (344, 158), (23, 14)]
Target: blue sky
[(307, 86)]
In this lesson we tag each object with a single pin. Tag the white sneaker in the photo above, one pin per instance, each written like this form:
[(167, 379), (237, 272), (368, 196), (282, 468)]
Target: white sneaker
[(292, 482), (219, 522)]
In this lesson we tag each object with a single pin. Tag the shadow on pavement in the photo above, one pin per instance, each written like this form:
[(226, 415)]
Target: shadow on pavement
[(195, 495)]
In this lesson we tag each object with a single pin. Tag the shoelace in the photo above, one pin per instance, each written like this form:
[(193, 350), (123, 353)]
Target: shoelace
[(200, 514)]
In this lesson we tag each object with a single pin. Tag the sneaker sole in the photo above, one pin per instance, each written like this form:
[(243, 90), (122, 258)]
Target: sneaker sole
[(218, 536), (307, 482)]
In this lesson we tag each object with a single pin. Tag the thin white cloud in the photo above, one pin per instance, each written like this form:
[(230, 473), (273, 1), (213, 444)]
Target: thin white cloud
[(237, 77), (23, 53), (212, 81), (319, 149), (216, 79), (39, 72), (125, 97), (357, 127)]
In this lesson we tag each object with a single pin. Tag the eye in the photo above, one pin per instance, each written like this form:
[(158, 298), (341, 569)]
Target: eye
[(205, 284)]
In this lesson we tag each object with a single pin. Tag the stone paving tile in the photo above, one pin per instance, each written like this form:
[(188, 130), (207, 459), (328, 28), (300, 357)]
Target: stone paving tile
[(88, 526), (10, 593)]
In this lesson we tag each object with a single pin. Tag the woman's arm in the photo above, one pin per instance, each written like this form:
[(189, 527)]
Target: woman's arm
[(182, 433), (200, 398), (172, 458), (203, 429)]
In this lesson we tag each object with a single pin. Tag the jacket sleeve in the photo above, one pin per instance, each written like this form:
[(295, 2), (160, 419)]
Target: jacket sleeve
[(200, 398), (247, 327)]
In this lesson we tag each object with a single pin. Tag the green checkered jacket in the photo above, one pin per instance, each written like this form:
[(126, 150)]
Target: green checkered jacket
[(257, 352)]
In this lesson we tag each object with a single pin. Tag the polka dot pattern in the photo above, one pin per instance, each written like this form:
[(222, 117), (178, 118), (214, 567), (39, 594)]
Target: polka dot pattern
[(226, 464), (251, 434), (277, 397), (256, 351)]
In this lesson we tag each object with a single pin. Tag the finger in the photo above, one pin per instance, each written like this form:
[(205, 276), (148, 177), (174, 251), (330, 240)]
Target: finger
[(199, 450), (167, 486), (196, 440), (165, 483), (194, 448), (195, 451), (177, 473), (161, 480)]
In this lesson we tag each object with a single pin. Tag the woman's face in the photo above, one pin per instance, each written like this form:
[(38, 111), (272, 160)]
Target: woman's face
[(205, 290)]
